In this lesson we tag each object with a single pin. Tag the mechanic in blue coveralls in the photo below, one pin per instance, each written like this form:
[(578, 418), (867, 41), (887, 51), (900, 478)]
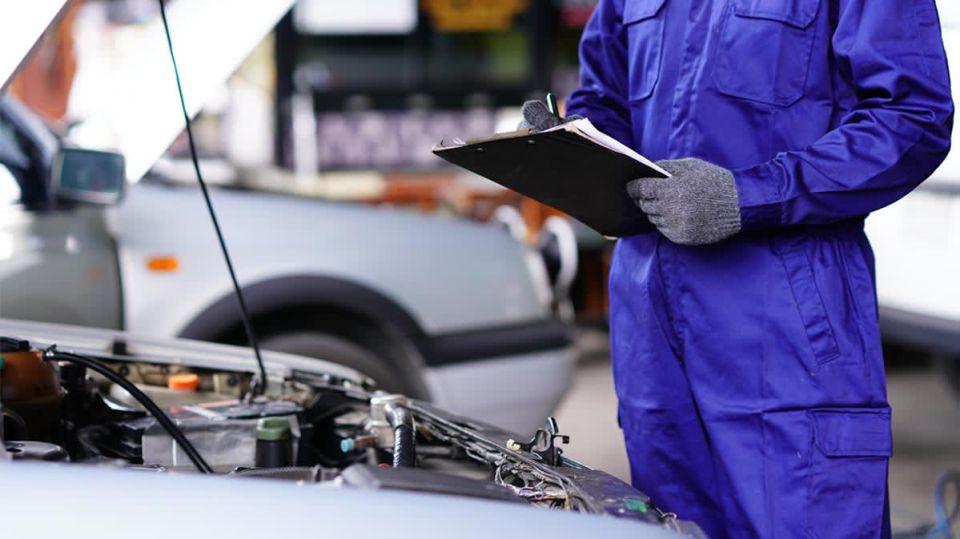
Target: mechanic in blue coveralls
[(744, 328)]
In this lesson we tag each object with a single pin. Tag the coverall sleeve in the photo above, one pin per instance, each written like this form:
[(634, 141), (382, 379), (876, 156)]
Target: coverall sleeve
[(895, 136), (602, 95)]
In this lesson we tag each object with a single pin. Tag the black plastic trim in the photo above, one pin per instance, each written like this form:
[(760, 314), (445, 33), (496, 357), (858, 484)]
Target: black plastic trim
[(444, 349), (925, 331), (515, 339)]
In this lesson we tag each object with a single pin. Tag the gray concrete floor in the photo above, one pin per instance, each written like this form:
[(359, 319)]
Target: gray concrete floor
[(926, 429)]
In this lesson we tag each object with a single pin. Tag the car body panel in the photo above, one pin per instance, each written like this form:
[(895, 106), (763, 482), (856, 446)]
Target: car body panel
[(69, 253), (212, 507), (448, 274), (96, 341), (520, 391)]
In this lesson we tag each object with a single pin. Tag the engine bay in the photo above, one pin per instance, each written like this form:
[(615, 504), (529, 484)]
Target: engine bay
[(121, 411)]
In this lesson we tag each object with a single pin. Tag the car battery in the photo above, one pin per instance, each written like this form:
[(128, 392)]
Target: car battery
[(224, 433)]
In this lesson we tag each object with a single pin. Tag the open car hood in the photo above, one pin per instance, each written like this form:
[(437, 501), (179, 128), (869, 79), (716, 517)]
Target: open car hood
[(21, 28), (137, 111), (169, 351), (318, 424), (134, 108)]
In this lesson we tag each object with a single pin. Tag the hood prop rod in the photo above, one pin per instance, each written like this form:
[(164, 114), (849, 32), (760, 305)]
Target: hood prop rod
[(259, 385)]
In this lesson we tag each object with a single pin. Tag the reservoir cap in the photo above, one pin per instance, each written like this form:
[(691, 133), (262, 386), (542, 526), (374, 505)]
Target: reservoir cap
[(273, 429), (183, 382)]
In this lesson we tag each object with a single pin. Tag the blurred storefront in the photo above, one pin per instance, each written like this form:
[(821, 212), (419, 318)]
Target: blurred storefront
[(387, 84)]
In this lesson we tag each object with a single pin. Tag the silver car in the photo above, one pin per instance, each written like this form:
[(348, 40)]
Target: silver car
[(457, 313)]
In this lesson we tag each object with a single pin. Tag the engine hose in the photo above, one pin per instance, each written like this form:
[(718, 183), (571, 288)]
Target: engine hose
[(404, 436), (172, 429)]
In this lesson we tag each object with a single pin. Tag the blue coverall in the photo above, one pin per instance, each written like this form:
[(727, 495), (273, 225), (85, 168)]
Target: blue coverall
[(749, 372)]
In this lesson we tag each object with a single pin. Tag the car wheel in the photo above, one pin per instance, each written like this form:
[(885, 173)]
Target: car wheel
[(342, 352)]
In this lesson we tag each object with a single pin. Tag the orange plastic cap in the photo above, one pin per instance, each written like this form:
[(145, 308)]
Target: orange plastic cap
[(183, 382)]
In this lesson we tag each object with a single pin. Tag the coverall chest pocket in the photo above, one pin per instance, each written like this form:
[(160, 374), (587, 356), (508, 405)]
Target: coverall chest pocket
[(644, 24), (763, 53)]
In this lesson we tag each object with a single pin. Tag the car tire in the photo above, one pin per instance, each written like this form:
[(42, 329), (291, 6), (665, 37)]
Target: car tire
[(342, 352)]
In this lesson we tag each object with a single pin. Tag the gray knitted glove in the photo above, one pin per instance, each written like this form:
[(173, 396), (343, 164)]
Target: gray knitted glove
[(699, 205), (538, 117)]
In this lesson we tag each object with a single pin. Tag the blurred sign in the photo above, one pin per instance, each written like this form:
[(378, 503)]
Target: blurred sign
[(575, 13), (367, 17), (391, 140), (473, 15)]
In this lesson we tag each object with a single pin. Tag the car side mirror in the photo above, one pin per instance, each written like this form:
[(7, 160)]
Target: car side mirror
[(89, 176)]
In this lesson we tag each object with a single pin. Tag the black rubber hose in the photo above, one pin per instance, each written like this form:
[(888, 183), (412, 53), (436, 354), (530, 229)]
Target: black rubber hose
[(172, 429), (259, 387), (404, 436)]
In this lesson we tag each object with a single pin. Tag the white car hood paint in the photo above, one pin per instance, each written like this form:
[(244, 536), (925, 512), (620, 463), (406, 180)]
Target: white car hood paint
[(430, 266), (170, 351), (21, 26), (159, 506)]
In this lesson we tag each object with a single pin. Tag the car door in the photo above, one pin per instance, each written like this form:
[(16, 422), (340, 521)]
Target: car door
[(57, 263)]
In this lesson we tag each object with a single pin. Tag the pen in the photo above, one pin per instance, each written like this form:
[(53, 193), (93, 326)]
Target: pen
[(552, 104)]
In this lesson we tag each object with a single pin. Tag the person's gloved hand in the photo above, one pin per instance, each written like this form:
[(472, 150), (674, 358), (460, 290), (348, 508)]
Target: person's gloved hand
[(699, 205), (538, 117)]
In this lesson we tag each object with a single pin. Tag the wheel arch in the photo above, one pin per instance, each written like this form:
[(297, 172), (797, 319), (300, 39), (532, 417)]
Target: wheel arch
[(337, 306)]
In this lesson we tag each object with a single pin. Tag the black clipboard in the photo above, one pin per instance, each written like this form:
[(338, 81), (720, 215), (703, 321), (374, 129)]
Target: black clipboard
[(564, 169)]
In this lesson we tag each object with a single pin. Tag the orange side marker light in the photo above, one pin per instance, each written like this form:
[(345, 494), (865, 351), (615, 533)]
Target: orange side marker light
[(163, 263)]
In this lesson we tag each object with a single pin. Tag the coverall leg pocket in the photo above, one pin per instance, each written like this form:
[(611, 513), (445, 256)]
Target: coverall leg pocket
[(848, 472)]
